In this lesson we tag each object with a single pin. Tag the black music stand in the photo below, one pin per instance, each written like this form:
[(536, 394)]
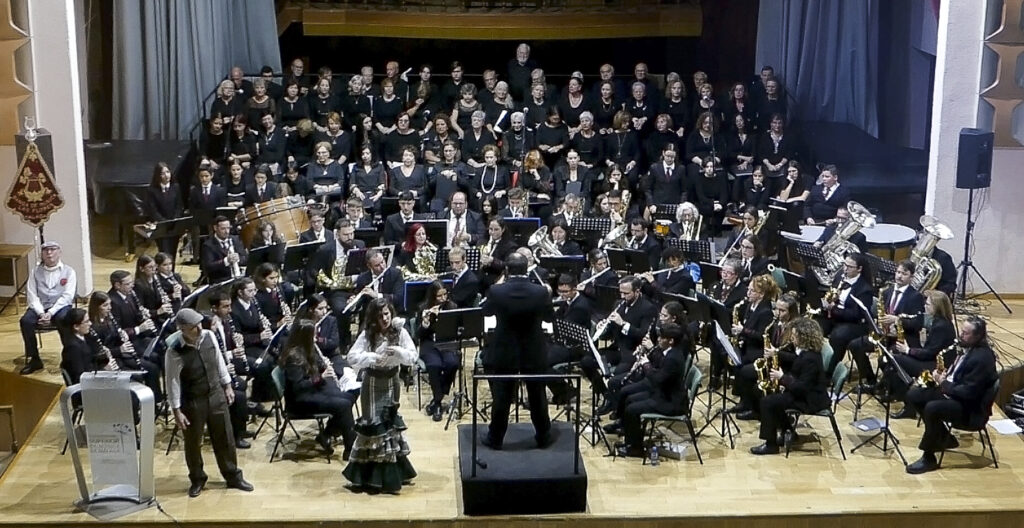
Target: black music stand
[(883, 430), (710, 274), (665, 212), (172, 229), (459, 326), (570, 265), (607, 297), (587, 228), (388, 206), (472, 259), (274, 254), (296, 257), (810, 255), (728, 423), (437, 232), (572, 335), (370, 236), (630, 261), (520, 229), (356, 262), (789, 214), (883, 270), (416, 292), (693, 250)]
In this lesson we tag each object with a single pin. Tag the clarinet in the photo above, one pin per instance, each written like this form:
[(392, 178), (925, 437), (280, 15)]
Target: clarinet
[(265, 326), (165, 300), (127, 348), (105, 351), (238, 352), (142, 309)]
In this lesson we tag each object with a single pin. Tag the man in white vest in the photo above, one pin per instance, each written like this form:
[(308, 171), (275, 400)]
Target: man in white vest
[(51, 295)]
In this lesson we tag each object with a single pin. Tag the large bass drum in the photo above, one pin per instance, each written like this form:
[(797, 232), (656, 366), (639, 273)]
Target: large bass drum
[(288, 217)]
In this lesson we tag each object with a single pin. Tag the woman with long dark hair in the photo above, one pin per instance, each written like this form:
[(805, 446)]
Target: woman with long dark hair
[(380, 455)]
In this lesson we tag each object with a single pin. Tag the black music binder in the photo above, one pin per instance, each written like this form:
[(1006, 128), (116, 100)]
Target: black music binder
[(275, 254), (631, 261), (710, 274), (369, 235), (570, 264), (520, 229), (437, 231), (416, 292), (461, 323)]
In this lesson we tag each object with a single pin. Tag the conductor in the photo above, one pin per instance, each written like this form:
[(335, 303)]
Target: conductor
[(518, 347)]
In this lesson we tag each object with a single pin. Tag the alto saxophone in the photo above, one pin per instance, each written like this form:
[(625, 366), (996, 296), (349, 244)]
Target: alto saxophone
[(763, 366), (926, 379), (736, 341)]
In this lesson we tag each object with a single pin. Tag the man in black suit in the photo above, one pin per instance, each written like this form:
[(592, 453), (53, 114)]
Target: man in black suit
[(206, 196), (246, 320), (395, 224), (844, 319), (666, 181), (662, 390), (336, 289), (317, 231), (899, 302), (629, 324), (125, 309), (465, 284), (825, 199), (379, 280), (641, 240), (464, 227), (261, 190), (959, 394), (842, 214), (223, 253), (518, 347)]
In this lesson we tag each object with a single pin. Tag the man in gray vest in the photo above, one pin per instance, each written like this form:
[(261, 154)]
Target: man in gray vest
[(50, 294), (199, 391)]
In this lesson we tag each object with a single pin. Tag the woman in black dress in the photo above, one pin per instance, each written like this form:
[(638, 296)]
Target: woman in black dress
[(572, 178), (386, 108), (740, 144), (339, 139), (663, 134), (536, 108), (489, 209), (774, 149), (163, 202), (367, 135), (588, 143), (447, 176), (572, 104), (242, 146), (739, 104), (260, 103), (311, 386), (355, 104), (367, 180), (491, 179), (605, 109), (706, 103), (236, 183), (712, 196), (475, 140), (622, 147), (292, 108), (442, 363), (226, 104), (465, 108), (322, 104), (409, 176), (537, 180), (401, 138), (705, 142), (552, 137), (300, 143), (677, 107), (214, 144), (499, 109), (796, 186)]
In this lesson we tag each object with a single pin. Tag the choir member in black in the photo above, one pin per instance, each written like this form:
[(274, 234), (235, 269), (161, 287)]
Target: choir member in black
[(784, 311), (199, 389), (535, 106), (465, 285), (223, 254), (755, 192), (340, 140), (606, 106), (464, 227), (588, 143), (706, 142), (940, 336), (712, 195), (641, 240), (499, 109), (899, 303), (434, 141), (552, 137), (214, 143), (272, 143), (677, 107), (666, 181), (368, 178), (464, 109), (299, 145), (740, 142), (519, 70), (317, 231), (447, 176), (273, 89), (844, 318), (775, 149), (326, 174), (642, 109), (163, 202), (355, 104), (261, 190), (386, 108), (517, 141), (423, 106), (206, 196), (242, 147), (674, 278), (256, 331), (226, 104), (491, 179), (401, 139), (773, 103), (622, 146), (130, 315), (78, 355), (295, 75), (148, 291), (409, 177), (805, 388), (273, 297), (322, 103), (172, 283), (311, 386), (536, 179), (292, 108), (442, 362), (236, 183), (260, 103), (233, 352), (476, 140), (663, 389), (572, 177), (739, 105), (662, 137), (452, 87), (559, 231), (958, 394), (825, 199), (796, 187)]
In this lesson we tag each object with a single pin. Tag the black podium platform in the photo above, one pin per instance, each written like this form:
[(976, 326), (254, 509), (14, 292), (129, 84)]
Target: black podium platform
[(522, 479)]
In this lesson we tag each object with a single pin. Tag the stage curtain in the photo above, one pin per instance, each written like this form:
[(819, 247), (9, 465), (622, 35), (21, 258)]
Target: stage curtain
[(169, 55), (826, 53)]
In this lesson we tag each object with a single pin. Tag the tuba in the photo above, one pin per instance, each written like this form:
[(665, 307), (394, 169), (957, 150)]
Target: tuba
[(837, 247), (928, 270), (541, 245)]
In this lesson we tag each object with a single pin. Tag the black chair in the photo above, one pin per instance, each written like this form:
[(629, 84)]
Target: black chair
[(650, 420), (980, 425), (76, 408), (288, 416), (839, 376)]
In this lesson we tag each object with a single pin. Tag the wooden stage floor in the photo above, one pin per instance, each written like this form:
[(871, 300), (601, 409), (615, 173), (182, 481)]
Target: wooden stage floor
[(732, 488)]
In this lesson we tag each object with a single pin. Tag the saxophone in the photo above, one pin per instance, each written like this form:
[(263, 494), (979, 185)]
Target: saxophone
[(925, 380), (736, 341), (763, 366), (338, 280)]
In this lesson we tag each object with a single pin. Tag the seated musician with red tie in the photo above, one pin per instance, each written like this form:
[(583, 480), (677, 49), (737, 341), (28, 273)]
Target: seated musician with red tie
[(262, 190)]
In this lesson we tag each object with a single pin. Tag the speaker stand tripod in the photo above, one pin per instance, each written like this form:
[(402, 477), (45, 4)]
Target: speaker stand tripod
[(967, 265)]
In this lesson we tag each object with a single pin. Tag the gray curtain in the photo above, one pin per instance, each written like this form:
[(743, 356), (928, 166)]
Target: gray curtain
[(169, 55), (826, 52)]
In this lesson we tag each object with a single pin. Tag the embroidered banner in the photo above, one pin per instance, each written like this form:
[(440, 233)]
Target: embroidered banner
[(34, 195)]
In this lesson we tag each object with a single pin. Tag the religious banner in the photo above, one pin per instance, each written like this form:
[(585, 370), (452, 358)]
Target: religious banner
[(34, 195)]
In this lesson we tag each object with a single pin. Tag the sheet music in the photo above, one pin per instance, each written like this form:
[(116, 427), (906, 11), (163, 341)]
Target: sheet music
[(727, 345)]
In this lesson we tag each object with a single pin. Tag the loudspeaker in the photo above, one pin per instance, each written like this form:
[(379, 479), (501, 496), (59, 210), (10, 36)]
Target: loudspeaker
[(974, 159)]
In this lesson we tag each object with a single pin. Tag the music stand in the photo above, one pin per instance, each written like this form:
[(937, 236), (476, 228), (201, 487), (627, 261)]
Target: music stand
[(416, 292), (572, 335), (810, 255), (728, 423), (569, 265), (884, 270), (273, 253), (370, 236), (789, 215), (693, 250), (607, 297), (710, 274), (458, 326), (883, 430), (437, 232), (665, 212), (589, 228), (297, 256), (472, 259), (631, 261), (520, 229), (388, 206), (173, 229)]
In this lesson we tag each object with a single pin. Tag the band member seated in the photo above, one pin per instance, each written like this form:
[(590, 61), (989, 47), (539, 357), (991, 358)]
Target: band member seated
[(575, 308), (223, 254), (729, 291), (172, 283), (395, 225), (354, 213), (148, 291), (805, 388), (825, 199), (266, 235), (78, 356), (519, 347), (49, 295), (675, 278), (442, 362), (572, 208), (517, 204), (317, 231), (199, 390), (536, 273), (106, 333), (274, 298), (663, 389), (947, 280), (311, 386), (327, 272), (418, 256), (843, 318), (380, 281), (628, 323), (261, 190), (688, 224), (464, 227), (776, 345), (842, 214), (129, 313), (755, 315), (641, 240), (232, 348), (597, 276), (465, 285), (751, 256), (493, 252), (559, 232), (939, 339), (956, 395), (898, 304), (256, 332)]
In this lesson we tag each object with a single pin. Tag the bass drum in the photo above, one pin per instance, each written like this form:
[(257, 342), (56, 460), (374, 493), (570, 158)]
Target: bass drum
[(892, 242), (288, 217)]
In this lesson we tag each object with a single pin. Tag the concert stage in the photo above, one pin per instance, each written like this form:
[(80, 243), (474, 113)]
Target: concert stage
[(813, 487)]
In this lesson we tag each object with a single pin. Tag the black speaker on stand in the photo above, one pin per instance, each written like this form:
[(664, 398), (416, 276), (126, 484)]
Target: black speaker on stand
[(973, 171)]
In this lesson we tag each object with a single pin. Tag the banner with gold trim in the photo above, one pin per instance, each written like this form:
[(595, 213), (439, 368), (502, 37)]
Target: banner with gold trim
[(34, 195)]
